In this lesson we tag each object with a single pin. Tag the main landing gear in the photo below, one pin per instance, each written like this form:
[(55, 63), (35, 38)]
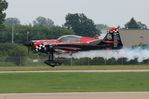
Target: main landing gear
[(51, 62)]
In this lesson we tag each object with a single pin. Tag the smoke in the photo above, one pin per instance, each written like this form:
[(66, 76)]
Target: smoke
[(129, 53)]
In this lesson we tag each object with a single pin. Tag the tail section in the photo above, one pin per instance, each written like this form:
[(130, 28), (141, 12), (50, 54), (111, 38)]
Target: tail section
[(113, 37)]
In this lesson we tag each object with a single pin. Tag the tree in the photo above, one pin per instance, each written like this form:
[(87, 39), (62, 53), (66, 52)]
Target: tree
[(5, 34), (81, 25), (111, 61), (49, 33), (3, 7), (133, 24), (142, 26), (102, 26), (12, 21), (97, 61), (58, 31), (42, 21), (14, 53)]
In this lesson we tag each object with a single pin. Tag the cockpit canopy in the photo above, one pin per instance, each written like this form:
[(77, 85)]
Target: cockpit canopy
[(69, 38)]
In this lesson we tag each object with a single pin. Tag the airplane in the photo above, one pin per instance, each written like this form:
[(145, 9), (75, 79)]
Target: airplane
[(69, 44)]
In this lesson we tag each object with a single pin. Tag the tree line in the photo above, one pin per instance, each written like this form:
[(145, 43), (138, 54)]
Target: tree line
[(44, 28)]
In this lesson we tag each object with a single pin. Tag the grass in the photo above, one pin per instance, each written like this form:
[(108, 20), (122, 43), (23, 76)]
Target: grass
[(73, 82), (100, 67)]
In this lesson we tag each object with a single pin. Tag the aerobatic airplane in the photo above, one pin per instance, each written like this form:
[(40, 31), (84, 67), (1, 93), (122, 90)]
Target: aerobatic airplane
[(70, 44)]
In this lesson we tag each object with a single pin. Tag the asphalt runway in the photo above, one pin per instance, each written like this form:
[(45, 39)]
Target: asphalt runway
[(82, 95), (65, 71)]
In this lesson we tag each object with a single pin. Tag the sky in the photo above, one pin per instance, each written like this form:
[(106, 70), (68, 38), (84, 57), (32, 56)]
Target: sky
[(110, 12)]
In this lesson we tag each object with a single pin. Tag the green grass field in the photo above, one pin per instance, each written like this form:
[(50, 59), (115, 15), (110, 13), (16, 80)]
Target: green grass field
[(73, 82), (101, 67)]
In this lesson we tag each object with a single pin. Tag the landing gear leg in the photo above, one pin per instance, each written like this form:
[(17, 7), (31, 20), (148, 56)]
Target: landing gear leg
[(51, 61)]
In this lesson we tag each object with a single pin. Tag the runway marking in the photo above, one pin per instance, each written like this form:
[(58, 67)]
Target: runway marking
[(73, 71)]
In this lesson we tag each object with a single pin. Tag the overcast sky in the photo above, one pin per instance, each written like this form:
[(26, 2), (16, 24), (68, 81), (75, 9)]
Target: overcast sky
[(111, 12)]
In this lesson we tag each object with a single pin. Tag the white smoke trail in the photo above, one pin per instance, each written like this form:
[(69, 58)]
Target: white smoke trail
[(139, 53)]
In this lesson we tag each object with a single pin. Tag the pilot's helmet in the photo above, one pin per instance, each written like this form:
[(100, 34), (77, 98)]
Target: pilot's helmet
[(112, 30)]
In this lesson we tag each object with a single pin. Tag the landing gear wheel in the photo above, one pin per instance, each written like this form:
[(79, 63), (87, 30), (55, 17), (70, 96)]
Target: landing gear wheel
[(51, 62)]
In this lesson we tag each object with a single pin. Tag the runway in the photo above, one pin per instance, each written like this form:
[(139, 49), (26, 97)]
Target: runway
[(76, 95), (67, 71)]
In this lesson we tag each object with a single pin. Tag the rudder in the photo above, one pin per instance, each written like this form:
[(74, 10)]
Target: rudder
[(114, 36)]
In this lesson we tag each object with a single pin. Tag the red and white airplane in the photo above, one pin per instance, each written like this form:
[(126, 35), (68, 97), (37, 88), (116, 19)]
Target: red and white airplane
[(69, 44)]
